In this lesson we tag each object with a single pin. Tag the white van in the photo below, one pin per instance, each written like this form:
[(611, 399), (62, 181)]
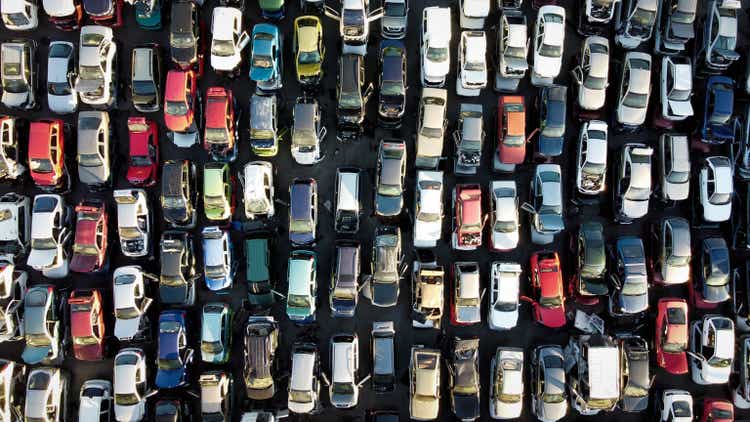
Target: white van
[(304, 388), (344, 351), (347, 200)]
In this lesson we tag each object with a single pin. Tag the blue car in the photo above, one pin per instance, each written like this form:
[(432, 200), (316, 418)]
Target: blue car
[(148, 14), (173, 355), (718, 121), (265, 57), (551, 106), (218, 261)]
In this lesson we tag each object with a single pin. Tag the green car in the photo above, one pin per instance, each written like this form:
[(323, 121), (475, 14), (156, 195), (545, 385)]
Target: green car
[(258, 271), (217, 191), (272, 9), (148, 14), (216, 332), (303, 287)]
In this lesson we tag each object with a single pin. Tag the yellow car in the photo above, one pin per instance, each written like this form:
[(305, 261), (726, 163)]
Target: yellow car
[(308, 49)]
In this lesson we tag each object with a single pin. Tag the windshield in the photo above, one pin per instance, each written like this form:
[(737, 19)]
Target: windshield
[(504, 226), (37, 340), (85, 249), (176, 108), (41, 165), (168, 364), (181, 40), (215, 271), (300, 226), (129, 233), (353, 21), (505, 306), (683, 17), (550, 302), (553, 398), (126, 399), (85, 341), (644, 17), (88, 73), (140, 160), (43, 243), (634, 288), (89, 160), (144, 88), (516, 52), (298, 301), (59, 88), (437, 55), (211, 346), (343, 388), (127, 313), (300, 396), (634, 100), (350, 100), (263, 62), (594, 82), (394, 9), (308, 57), (547, 50), (216, 135), (678, 177), (720, 198), (222, 48), (675, 347), (391, 88), (718, 362)]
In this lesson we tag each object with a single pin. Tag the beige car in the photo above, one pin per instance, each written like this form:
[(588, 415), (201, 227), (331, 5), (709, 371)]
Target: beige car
[(424, 386)]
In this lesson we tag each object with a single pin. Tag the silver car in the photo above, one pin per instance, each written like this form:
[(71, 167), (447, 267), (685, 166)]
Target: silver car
[(592, 75), (634, 22), (94, 148), (672, 261), (674, 25), (676, 88), (632, 183), (62, 97), (18, 74), (674, 166), (635, 90), (512, 50), (592, 158), (549, 400), (395, 19)]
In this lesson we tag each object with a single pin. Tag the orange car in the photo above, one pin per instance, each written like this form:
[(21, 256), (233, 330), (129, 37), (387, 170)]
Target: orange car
[(511, 130)]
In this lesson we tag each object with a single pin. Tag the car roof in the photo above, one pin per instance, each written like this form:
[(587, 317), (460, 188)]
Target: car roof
[(471, 204), (181, 19), (261, 107), (426, 362), (307, 36), (304, 115), (222, 27), (341, 361), (257, 267), (604, 372), (143, 57), (472, 128), (301, 197), (469, 285), (392, 65), (299, 276), (304, 365)]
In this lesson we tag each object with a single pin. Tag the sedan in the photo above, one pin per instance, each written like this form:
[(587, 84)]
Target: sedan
[(504, 219), (466, 294), (591, 161), (216, 332), (265, 57), (41, 326), (716, 189), (549, 39), (671, 335), (676, 88), (386, 274), (506, 383), (592, 75), (504, 288), (130, 385), (392, 102), (94, 149), (464, 379), (390, 177), (549, 400), (629, 277), (62, 97), (218, 259), (428, 209), (130, 302), (18, 74), (46, 391), (634, 90), (173, 355), (143, 152), (547, 284)]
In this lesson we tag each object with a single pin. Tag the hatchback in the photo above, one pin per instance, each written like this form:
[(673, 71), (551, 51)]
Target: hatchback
[(216, 332), (145, 78), (303, 286), (303, 211), (259, 354)]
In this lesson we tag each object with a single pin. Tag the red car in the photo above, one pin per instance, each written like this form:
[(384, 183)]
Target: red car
[(47, 154), (671, 336), (717, 410), (104, 12), (511, 130), (547, 282), (468, 218), (220, 134), (143, 161), (180, 99), (90, 247), (87, 324)]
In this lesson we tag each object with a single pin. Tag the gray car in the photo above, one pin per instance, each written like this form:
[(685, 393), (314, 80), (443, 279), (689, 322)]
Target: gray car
[(634, 91), (629, 295), (389, 186), (672, 259), (674, 166), (674, 25), (18, 74), (545, 205), (62, 97), (469, 137), (592, 75), (145, 77), (395, 19), (41, 326), (386, 255), (549, 400), (94, 148)]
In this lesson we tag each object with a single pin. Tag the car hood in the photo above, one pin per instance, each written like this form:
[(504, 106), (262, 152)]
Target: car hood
[(393, 21), (41, 258), (547, 67), (59, 8), (81, 263), (93, 175), (469, 314), (632, 304), (427, 232), (592, 99), (680, 108), (301, 238), (384, 294), (676, 273), (177, 123), (218, 283), (129, 413), (308, 69), (259, 74), (62, 103), (11, 99), (505, 320), (715, 294), (436, 69), (169, 378), (634, 209), (675, 363), (225, 62), (33, 355), (424, 408), (550, 146), (466, 407), (717, 212), (554, 411), (139, 174), (682, 30), (551, 317), (504, 241), (677, 191), (388, 205), (631, 116), (183, 56), (507, 410), (634, 404), (714, 375), (127, 328)]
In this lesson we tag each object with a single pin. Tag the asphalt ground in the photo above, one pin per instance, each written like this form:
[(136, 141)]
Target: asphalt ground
[(362, 154)]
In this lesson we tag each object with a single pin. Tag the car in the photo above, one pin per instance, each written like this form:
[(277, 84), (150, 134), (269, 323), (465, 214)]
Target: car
[(95, 400), (62, 97), (130, 302), (717, 410), (468, 219), (635, 376), (674, 166), (260, 344), (218, 260), (551, 105), (428, 280), (264, 135), (472, 62), (504, 219), (94, 149), (546, 206), (173, 355), (710, 287), (344, 357), (395, 19), (352, 94), (46, 395), (434, 46), (143, 152), (716, 189), (424, 383), (740, 393), (629, 278), (181, 102), (391, 172), (216, 332), (718, 124), (20, 15), (589, 283), (549, 39), (383, 345), (740, 296), (258, 270), (675, 405), (304, 387), (632, 183), (13, 288), (511, 133), (258, 190), (185, 35), (216, 395), (596, 373), (431, 125), (392, 83), (15, 228), (348, 205), (177, 275), (91, 237), (671, 335), (466, 294), (18, 75), (148, 14), (670, 259), (512, 49), (472, 13), (547, 285), (145, 78), (385, 267), (591, 160), (133, 222), (218, 192), (712, 349), (303, 211), (179, 194), (549, 399), (675, 88), (591, 76), (65, 15), (716, 44), (97, 66), (11, 168), (344, 286), (265, 57), (428, 209), (104, 12), (675, 22), (634, 22), (41, 326), (130, 384), (309, 50), (228, 39), (506, 383), (50, 236), (221, 131), (308, 131), (354, 21), (87, 324), (47, 155), (463, 382), (634, 90), (468, 137), (503, 304), (272, 9), (171, 409), (303, 286), (595, 16)]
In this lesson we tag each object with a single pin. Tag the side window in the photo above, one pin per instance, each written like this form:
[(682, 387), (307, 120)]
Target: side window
[(667, 158), (714, 26), (668, 241), (670, 80)]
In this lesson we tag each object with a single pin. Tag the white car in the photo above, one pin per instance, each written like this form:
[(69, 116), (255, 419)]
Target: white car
[(130, 385), (506, 387), (97, 79), (675, 406), (46, 395), (674, 166), (549, 40), (228, 39), (591, 161), (50, 235), (63, 13), (13, 287), (95, 401), (18, 74), (633, 183), (435, 45), (344, 352), (716, 189), (19, 15), (472, 13), (133, 222), (512, 49), (15, 226), (12, 376), (504, 288), (472, 63), (62, 97), (634, 22), (467, 294), (635, 89), (676, 88), (130, 302), (592, 75), (428, 209), (258, 193), (504, 215), (711, 353)]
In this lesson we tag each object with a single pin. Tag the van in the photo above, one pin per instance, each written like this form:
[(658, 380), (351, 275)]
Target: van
[(347, 200), (344, 353), (344, 280), (596, 374), (304, 388), (258, 271)]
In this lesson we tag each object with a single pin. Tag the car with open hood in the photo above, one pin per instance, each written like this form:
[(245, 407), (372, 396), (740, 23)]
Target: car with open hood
[(428, 280), (716, 43), (184, 35), (309, 50), (173, 355), (549, 398), (47, 155), (468, 219), (594, 371), (133, 222), (469, 139), (11, 167), (41, 326), (177, 276), (671, 335), (718, 123), (591, 160), (259, 353), (503, 303), (675, 88), (629, 278), (675, 26), (143, 152), (218, 258), (46, 395), (15, 226), (308, 131), (87, 324), (386, 274), (595, 16), (216, 332), (130, 384), (712, 349), (18, 74), (94, 149), (632, 183), (97, 66), (424, 383), (91, 237), (130, 302), (548, 41), (221, 130), (145, 78), (50, 236), (546, 204), (634, 90), (62, 97), (634, 22), (591, 76)]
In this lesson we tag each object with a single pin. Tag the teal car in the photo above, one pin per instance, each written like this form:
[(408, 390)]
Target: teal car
[(258, 271), (216, 332), (303, 287), (148, 14), (272, 9), (265, 57)]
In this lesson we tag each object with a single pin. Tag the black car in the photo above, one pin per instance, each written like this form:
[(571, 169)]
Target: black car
[(389, 183), (383, 356), (392, 101), (171, 410), (145, 78), (382, 416), (261, 340), (711, 285), (177, 276), (636, 379), (178, 193), (184, 34), (551, 106), (464, 379), (591, 257), (351, 95)]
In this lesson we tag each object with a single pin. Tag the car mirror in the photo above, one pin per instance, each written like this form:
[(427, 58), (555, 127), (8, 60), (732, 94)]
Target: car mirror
[(375, 15), (694, 355), (527, 300), (189, 356), (331, 13), (615, 282), (528, 208), (577, 74), (151, 393), (368, 92), (242, 41)]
